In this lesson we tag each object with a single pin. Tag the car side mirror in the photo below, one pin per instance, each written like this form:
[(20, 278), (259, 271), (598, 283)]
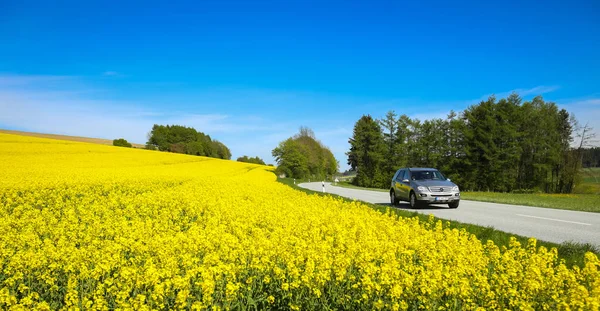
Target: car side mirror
[(405, 181), (449, 179)]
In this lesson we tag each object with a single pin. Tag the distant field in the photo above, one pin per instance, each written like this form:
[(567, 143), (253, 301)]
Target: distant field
[(586, 196), (100, 141), (591, 181)]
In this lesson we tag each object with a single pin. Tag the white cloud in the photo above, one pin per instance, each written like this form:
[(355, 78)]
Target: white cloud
[(585, 102), (69, 116), (72, 106), (105, 119), (538, 90), (427, 110), (534, 91), (586, 110), (26, 103), (26, 80)]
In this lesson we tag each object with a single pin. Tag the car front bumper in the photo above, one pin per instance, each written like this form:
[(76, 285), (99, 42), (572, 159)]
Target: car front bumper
[(438, 197)]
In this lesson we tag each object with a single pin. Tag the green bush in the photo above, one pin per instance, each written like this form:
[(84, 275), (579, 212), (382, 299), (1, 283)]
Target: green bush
[(121, 142), (303, 156), (247, 159), (182, 139)]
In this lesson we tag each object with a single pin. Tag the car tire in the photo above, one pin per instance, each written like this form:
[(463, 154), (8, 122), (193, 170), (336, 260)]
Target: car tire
[(453, 204), (393, 199), (412, 200)]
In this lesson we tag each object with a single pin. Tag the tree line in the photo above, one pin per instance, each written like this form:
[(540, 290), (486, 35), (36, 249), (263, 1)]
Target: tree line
[(591, 157), (182, 139), (303, 156), (254, 160), (496, 145)]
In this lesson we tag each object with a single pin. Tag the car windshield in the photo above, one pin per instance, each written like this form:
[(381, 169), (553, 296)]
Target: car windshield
[(427, 175)]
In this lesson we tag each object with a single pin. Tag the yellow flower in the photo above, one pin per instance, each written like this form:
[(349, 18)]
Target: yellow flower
[(100, 227)]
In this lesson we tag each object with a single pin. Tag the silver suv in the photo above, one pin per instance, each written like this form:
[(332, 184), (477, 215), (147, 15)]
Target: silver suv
[(420, 186)]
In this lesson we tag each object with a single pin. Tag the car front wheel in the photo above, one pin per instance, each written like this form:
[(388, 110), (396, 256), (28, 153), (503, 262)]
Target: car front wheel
[(453, 204), (393, 199), (413, 200)]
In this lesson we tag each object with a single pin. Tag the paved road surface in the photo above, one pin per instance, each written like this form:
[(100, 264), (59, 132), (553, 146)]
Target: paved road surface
[(546, 224)]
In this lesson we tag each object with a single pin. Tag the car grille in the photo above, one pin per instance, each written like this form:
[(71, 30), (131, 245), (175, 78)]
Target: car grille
[(440, 189)]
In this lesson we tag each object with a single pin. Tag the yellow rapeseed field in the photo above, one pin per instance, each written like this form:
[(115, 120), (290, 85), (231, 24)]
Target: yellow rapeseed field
[(96, 227)]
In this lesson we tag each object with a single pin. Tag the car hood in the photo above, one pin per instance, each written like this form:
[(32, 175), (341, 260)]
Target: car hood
[(433, 183)]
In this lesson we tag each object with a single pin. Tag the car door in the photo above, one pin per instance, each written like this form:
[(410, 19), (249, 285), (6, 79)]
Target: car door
[(405, 186), (395, 182), (399, 186)]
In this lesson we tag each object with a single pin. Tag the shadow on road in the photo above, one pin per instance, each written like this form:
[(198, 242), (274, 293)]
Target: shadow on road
[(406, 206)]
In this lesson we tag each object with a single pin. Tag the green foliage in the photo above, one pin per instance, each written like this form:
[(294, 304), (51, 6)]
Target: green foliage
[(303, 156), (392, 138), (495, 145), (367, 153), (591, 157), (182, 139), (121, 142), (221, 150), (255, 160)]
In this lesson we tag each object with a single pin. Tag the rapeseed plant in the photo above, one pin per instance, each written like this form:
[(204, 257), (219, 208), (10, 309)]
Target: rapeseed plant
[(92, 227)]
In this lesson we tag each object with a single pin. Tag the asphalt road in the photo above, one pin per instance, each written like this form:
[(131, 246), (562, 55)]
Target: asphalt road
[(546, 224)]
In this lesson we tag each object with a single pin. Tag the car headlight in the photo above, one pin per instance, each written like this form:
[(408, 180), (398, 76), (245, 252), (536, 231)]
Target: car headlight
[(455, 188), (422, 189)]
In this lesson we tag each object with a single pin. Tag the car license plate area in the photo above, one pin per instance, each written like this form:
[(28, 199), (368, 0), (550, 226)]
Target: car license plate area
[(441, 198)]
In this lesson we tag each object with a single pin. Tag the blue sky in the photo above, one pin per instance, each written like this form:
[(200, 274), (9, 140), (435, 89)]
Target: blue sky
[(250, 73)]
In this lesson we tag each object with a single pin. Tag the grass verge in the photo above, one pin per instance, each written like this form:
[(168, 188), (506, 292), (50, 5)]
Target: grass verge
[(572, 253), (575, 202)]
